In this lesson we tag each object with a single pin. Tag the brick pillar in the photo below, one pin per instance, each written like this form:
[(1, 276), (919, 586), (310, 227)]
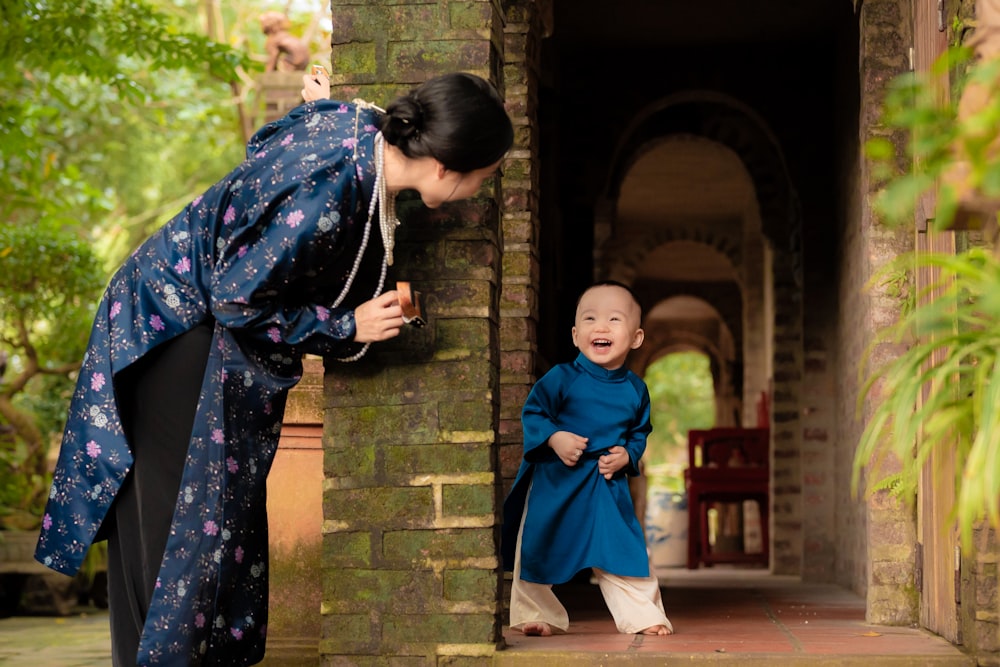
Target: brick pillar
[(410, 557), (786, 433), (890, 531), (519, 293)]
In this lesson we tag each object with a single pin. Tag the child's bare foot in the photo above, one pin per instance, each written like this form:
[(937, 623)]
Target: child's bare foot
[(537, 629), (656, 630)]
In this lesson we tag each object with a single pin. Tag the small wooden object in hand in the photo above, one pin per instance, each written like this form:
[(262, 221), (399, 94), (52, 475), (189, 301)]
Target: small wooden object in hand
[(409, 301)]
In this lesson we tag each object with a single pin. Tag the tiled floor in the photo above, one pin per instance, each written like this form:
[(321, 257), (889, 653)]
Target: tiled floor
[(732, 616), (739, 616)]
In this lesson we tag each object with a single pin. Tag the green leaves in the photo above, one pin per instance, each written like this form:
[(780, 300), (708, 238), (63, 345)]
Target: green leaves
[(88, 37), (48, 277), (925, 138), (938, 390), (942, 392), (682, 398), (113, 114), (79, 79)]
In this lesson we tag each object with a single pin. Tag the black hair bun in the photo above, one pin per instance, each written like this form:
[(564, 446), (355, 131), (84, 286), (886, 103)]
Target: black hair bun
[(404, 120)]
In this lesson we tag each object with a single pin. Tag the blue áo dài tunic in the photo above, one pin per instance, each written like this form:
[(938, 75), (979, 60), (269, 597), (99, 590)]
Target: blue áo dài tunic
[(577, 519), (263, 256)]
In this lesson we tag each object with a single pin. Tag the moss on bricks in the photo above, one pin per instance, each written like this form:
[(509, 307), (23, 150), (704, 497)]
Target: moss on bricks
[(354, 58), (357, 460), (347, 549), (470, 585), (349, 660), (466, 416), (346, 633), (470, 15), (466, 295), (424, 547), (472, 256), (469, 334), (384, 507), (403, 591), (440, 459), (423, 59), (467, 500), (517, 264), (437, 628), (387, 423), (516, 170)]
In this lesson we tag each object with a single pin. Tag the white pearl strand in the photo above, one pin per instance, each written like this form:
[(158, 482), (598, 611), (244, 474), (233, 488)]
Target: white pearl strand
[(387, 208), (387, 223)]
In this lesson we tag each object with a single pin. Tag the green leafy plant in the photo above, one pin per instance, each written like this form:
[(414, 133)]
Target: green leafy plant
[(49, 281), (941, 392), (102, 103)]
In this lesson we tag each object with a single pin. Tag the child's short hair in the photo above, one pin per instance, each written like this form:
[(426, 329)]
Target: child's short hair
[(611, 283)]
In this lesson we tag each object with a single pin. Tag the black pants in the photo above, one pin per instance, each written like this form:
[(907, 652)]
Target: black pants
[(158, 397)]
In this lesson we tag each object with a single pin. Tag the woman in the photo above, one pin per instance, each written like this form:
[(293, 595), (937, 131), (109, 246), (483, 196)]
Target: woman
[(199, 336)]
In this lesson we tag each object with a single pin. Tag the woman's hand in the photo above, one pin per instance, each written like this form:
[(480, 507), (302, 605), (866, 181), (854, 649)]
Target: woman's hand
[(568, 446), (614, 460), (315, 86), (378, 319)]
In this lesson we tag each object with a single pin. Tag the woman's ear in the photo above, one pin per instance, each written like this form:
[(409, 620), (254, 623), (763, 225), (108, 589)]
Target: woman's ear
[(441, 170)]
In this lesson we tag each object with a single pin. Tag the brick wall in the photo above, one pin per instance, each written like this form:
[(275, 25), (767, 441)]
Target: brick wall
[(410, 501), (980, 620)]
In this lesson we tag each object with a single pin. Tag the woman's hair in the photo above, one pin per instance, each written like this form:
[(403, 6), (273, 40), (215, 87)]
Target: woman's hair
[(457, 119)]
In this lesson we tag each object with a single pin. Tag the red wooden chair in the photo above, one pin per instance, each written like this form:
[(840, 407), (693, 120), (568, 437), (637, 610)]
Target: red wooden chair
[(726, 465)]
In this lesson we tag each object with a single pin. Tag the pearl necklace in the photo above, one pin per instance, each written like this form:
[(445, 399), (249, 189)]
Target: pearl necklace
[(387, 209), (387, 223)]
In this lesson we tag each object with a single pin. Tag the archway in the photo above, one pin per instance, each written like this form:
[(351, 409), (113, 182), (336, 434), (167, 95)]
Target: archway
[(698, 202)]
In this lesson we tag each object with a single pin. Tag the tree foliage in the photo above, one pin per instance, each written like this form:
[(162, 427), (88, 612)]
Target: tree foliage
[(49, 280), (76, 73), (683, 398), (112, 112)]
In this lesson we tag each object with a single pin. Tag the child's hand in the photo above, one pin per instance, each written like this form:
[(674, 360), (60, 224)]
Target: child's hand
[(568, 446), (610, 463)]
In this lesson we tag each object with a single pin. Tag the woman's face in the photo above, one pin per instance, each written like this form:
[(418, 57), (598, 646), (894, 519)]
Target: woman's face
[(454, 185)]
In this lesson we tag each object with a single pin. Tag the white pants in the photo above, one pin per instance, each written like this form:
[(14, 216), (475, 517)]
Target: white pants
[(634, 602)]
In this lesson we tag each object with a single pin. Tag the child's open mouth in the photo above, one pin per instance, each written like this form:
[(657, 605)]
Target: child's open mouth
[(601, 342)]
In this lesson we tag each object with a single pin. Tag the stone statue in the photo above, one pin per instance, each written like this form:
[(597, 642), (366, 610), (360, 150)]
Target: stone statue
[(285, 52)]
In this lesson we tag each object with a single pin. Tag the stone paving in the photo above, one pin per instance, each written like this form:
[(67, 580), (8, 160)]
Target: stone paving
[(745, 618), (79, 640)]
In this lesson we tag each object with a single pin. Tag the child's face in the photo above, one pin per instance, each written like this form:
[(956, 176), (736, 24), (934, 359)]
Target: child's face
[(607, 326)]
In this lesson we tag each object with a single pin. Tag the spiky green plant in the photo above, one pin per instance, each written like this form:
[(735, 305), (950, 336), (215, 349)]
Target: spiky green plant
[(943, 390), (941, 393)]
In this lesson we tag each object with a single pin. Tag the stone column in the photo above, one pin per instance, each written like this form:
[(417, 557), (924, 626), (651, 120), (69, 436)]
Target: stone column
[(410, 563)]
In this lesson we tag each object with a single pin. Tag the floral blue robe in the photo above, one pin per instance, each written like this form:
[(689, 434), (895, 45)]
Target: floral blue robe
[(576, 519), (265, 252)]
